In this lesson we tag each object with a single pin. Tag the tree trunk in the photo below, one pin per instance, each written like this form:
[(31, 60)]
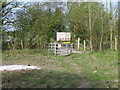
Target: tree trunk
[(9, 45), (101, 39), (22, 44), (111, 34), (91, 46), (118, 33), (115, 43), (38, 44)]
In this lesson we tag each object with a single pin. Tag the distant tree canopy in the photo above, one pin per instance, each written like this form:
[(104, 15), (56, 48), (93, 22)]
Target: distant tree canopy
[(37, 23)]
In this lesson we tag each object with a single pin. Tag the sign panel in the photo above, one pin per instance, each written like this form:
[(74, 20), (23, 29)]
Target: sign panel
[(64, 36)]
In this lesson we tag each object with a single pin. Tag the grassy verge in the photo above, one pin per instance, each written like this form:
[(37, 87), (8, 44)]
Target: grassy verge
[(102, 68), (90, 70)]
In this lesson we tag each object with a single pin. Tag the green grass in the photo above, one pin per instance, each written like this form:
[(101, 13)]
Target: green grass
[(106, 65), (71, 71), (39, 78)]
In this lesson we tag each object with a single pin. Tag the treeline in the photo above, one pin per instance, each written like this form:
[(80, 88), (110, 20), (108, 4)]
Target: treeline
[(36, 24)]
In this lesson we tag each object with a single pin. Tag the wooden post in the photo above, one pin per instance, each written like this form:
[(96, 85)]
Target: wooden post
[(71, 47), (51, 45), (78, 43), (84, 46), (67, 48), (21, 44), (55, 48), (115, 43)]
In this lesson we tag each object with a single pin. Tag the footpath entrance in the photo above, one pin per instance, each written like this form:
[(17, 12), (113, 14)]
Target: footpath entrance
[(62, 45)]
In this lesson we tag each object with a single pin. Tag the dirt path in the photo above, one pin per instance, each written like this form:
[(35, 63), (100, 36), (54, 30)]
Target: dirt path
[(83, 84), (74, 65), (67, 52), (76, 51)]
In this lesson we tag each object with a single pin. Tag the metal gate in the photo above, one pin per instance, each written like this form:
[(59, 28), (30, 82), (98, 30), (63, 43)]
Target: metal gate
[(60, 48)]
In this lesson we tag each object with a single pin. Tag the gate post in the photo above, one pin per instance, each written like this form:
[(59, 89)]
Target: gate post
[(78, 43), (84, 46), (55, 49)]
